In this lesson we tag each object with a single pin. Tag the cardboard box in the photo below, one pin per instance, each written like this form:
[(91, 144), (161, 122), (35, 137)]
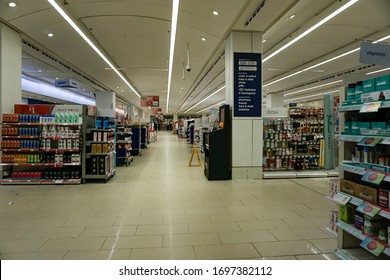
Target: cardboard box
[(105, 148), (369, 85), (348, 187), (95, 136), (382, 82), (105, 136), (93, 148), (99, 137), (367, 193), (98, 148), (347, 213)]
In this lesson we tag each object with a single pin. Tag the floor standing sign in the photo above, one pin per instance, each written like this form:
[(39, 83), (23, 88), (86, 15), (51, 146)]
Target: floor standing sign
[(247, 85)]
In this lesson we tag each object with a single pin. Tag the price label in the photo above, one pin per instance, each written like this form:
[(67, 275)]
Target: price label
[(341, 198), (368, 209), (372, 246), (58, 181), (356, 201)]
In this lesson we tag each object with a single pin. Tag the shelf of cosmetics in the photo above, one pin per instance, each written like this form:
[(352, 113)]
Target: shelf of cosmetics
[(308, 162), (65, 158), (369, 90), (58, 118), (65, 173), (306, 112), (41, 145), (374, 155), (46, 131)]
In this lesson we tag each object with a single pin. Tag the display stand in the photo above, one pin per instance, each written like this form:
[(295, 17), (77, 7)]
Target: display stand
[(217, 164), (364, 215), (123, 144), (136, 140)]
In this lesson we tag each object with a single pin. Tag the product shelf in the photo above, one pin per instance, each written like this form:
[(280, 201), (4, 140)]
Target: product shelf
[(40, 164), (100, 129), (20, 182), (60, 151), (40, 181), (99, 142), (357, 107), (62, 124), (354, 254), (19, 150), (346, 166), (358, 138), (60, 137), (19, 137), (22, 124)]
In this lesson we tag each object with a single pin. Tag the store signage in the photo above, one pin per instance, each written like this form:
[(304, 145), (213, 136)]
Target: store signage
[(275, 112), (156, 111), (329, 131), (378, 53), (67, 83), (247, 84), (150, 101), (371, 107), (77, 109)]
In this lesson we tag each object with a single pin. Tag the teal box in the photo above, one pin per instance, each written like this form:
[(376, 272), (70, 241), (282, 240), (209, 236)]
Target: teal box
[(355, 127), (365, 125), (368, 85), (358, 96), (382, 83), (378, 125), (350, 94), (347, 127), (359, 89)]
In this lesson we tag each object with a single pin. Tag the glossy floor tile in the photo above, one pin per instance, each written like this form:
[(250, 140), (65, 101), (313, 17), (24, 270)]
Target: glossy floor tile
[(159, 208)]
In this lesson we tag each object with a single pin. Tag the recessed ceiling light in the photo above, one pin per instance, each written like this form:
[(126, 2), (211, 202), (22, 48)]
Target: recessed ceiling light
[(12, 4), (57, 78), (291, 17), (265, 40), (50, 34), (39, 70), (203, 39), (215, 13)]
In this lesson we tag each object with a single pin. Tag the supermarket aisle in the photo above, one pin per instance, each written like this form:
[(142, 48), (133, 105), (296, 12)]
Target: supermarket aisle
[(159, 208)]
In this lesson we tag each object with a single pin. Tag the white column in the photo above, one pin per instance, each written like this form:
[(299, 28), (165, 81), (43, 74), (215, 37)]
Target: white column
[(247, 132), (105, 103), (10, 69), (275, 101)]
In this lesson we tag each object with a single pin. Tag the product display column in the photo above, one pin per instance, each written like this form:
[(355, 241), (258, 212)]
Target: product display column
[(363, 193)]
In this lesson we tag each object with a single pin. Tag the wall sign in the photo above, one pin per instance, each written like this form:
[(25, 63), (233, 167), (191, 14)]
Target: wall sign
[(247, 84)]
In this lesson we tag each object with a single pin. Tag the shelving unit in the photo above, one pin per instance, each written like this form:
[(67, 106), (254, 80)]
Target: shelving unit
[(136, 140), (123, 144), (100, 153), (40, 152), (365, 184)]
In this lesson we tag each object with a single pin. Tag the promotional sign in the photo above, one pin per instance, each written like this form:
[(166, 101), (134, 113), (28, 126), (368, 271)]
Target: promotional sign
[(329, 131), (247, 85), (368, 209), (373, 246), (378, 53), (370, 107), (373, 177), (77, 109), (156, 111), (375, 96), (275, 112), (150, 101)]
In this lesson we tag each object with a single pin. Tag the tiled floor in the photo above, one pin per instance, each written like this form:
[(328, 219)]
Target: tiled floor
[(159, 208)]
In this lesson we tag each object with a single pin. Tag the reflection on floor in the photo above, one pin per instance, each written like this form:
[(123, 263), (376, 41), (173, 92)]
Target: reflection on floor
[(159, 208)]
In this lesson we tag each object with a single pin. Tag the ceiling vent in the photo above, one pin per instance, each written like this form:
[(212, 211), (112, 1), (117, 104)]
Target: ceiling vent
[(254, 14)]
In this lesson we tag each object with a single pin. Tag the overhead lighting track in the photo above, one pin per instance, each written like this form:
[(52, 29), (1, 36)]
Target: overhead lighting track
[(175, 15), (311, 29), (91, 44), (311, 88), (217, 104)]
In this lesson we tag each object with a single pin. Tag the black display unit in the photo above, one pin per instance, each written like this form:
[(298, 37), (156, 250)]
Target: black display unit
[(136, 140), (217, 150)]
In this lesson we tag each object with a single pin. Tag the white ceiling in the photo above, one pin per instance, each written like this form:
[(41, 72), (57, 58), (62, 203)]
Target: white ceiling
[(135, 35)]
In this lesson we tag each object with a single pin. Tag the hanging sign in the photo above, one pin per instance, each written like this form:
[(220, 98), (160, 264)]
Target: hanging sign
[(150, 101), (247, 84), (156, 111), (67, 83), (378, 53)]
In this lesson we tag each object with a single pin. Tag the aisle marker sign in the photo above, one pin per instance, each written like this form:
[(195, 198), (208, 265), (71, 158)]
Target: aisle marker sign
[(247, 84)]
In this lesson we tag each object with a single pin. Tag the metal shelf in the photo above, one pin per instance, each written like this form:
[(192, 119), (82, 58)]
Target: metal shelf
[(60, 151), (19, 150), (357, 107), (41, 164), (40, 182), (358, 138), (358, 170), (22, 124), (100, 129), (60, 137), (19, 137), (99, 142)]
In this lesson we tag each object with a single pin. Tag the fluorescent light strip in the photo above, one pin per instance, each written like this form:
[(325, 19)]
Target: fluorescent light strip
[(306, 89), (313, 95), (378, 71), (281, 79), (220, 103), (215, 92), (311, 29), (91, 44), (175, 15)]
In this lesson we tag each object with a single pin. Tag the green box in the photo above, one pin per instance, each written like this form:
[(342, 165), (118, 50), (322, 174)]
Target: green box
[(369, 85), (382, 83), (347, 213), (355, 127), (378, 125), (365, 125), (347, 127), (350, 93)]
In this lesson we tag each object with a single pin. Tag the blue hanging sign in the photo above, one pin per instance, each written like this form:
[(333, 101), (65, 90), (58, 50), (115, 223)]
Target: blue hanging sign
[(247, 84)]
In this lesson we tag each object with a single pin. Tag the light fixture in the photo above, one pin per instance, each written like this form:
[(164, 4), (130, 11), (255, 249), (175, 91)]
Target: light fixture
[(207, 97), (306, 89), (220, 103), (291, 17), (265, 40), (311, 29), (215, 13), (313, 95), (378, 71), (12, 4), (203, 39), (50, 34), (91, 44), (175, 15)]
